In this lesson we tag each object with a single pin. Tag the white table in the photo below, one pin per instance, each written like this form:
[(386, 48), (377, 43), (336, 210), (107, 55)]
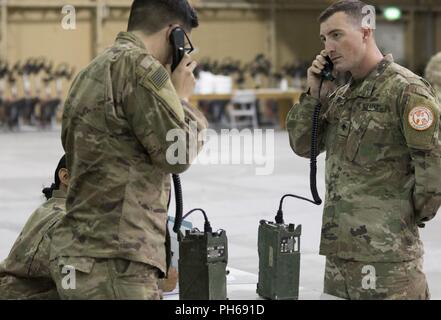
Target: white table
[(241, 285)]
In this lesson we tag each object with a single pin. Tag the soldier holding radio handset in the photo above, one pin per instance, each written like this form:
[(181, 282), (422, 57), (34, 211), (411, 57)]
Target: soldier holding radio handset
[(321, 70), (381, 135), (116, 119)]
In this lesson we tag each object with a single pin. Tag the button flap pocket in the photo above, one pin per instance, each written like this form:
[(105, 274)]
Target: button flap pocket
[(355, 137), (82, 264)]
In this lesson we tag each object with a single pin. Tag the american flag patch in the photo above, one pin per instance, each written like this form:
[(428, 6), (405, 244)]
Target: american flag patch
[(158, 78)]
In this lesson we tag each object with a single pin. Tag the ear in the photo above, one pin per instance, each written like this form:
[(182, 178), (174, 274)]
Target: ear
[(63, 175), (171, 28), (366, 33)]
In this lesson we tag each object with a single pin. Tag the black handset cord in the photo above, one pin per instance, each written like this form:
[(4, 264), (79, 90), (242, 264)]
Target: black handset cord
[(179, 202), (180, 208), (313, 162), (178, 215), (207, 225)]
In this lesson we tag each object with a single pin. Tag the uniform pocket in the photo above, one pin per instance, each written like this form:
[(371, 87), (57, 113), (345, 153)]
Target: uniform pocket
[(374, 137), (134, 280), (81, 264), (132, 271), (355, 137)]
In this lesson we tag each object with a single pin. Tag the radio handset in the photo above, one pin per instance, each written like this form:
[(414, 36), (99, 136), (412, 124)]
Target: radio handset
[(326, 73), (177, 39)]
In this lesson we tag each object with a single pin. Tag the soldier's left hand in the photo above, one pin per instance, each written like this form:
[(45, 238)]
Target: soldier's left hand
[(183, 78)]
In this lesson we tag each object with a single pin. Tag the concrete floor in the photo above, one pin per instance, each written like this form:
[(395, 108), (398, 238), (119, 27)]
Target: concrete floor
[(234, 197)]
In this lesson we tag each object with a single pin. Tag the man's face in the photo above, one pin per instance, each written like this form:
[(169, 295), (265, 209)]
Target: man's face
[(343, 41)]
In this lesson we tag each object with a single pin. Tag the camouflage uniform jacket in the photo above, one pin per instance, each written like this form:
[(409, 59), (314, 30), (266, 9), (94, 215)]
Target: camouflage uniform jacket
[(383, 163), (29, 256), (115, 123), (433, 73)]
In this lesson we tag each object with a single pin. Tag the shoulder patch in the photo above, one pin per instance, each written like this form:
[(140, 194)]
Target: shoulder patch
[(153, 73), (159, 77), (421, 118), (420, 121), (154, 77)]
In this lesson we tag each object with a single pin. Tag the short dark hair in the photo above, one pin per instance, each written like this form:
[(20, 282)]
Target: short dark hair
[(150, 16), (353, 8)]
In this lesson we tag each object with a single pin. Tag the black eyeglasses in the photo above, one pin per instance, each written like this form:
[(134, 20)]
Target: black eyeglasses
[(189, 49)]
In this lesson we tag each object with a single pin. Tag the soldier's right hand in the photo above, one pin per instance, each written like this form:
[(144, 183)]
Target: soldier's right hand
[(314, 77), (183, 78)]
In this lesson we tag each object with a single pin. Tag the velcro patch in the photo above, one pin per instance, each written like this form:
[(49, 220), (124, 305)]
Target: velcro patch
[(153, 72), (374, 107), (159, 78), (146, 63), (421, 118), (422, 91), (154, 77)]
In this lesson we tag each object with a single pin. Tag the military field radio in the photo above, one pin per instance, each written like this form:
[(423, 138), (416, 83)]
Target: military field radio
[(203, 255), (279, 243), (203, 258)]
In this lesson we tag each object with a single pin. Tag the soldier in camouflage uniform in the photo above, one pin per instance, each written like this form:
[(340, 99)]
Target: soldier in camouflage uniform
[(433, 73), (25, 274), (116, 119), (380, 132)]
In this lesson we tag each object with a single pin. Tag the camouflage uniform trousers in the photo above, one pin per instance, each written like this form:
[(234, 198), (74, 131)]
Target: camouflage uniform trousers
[(15, 288), (357, 280), (104, 279)]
